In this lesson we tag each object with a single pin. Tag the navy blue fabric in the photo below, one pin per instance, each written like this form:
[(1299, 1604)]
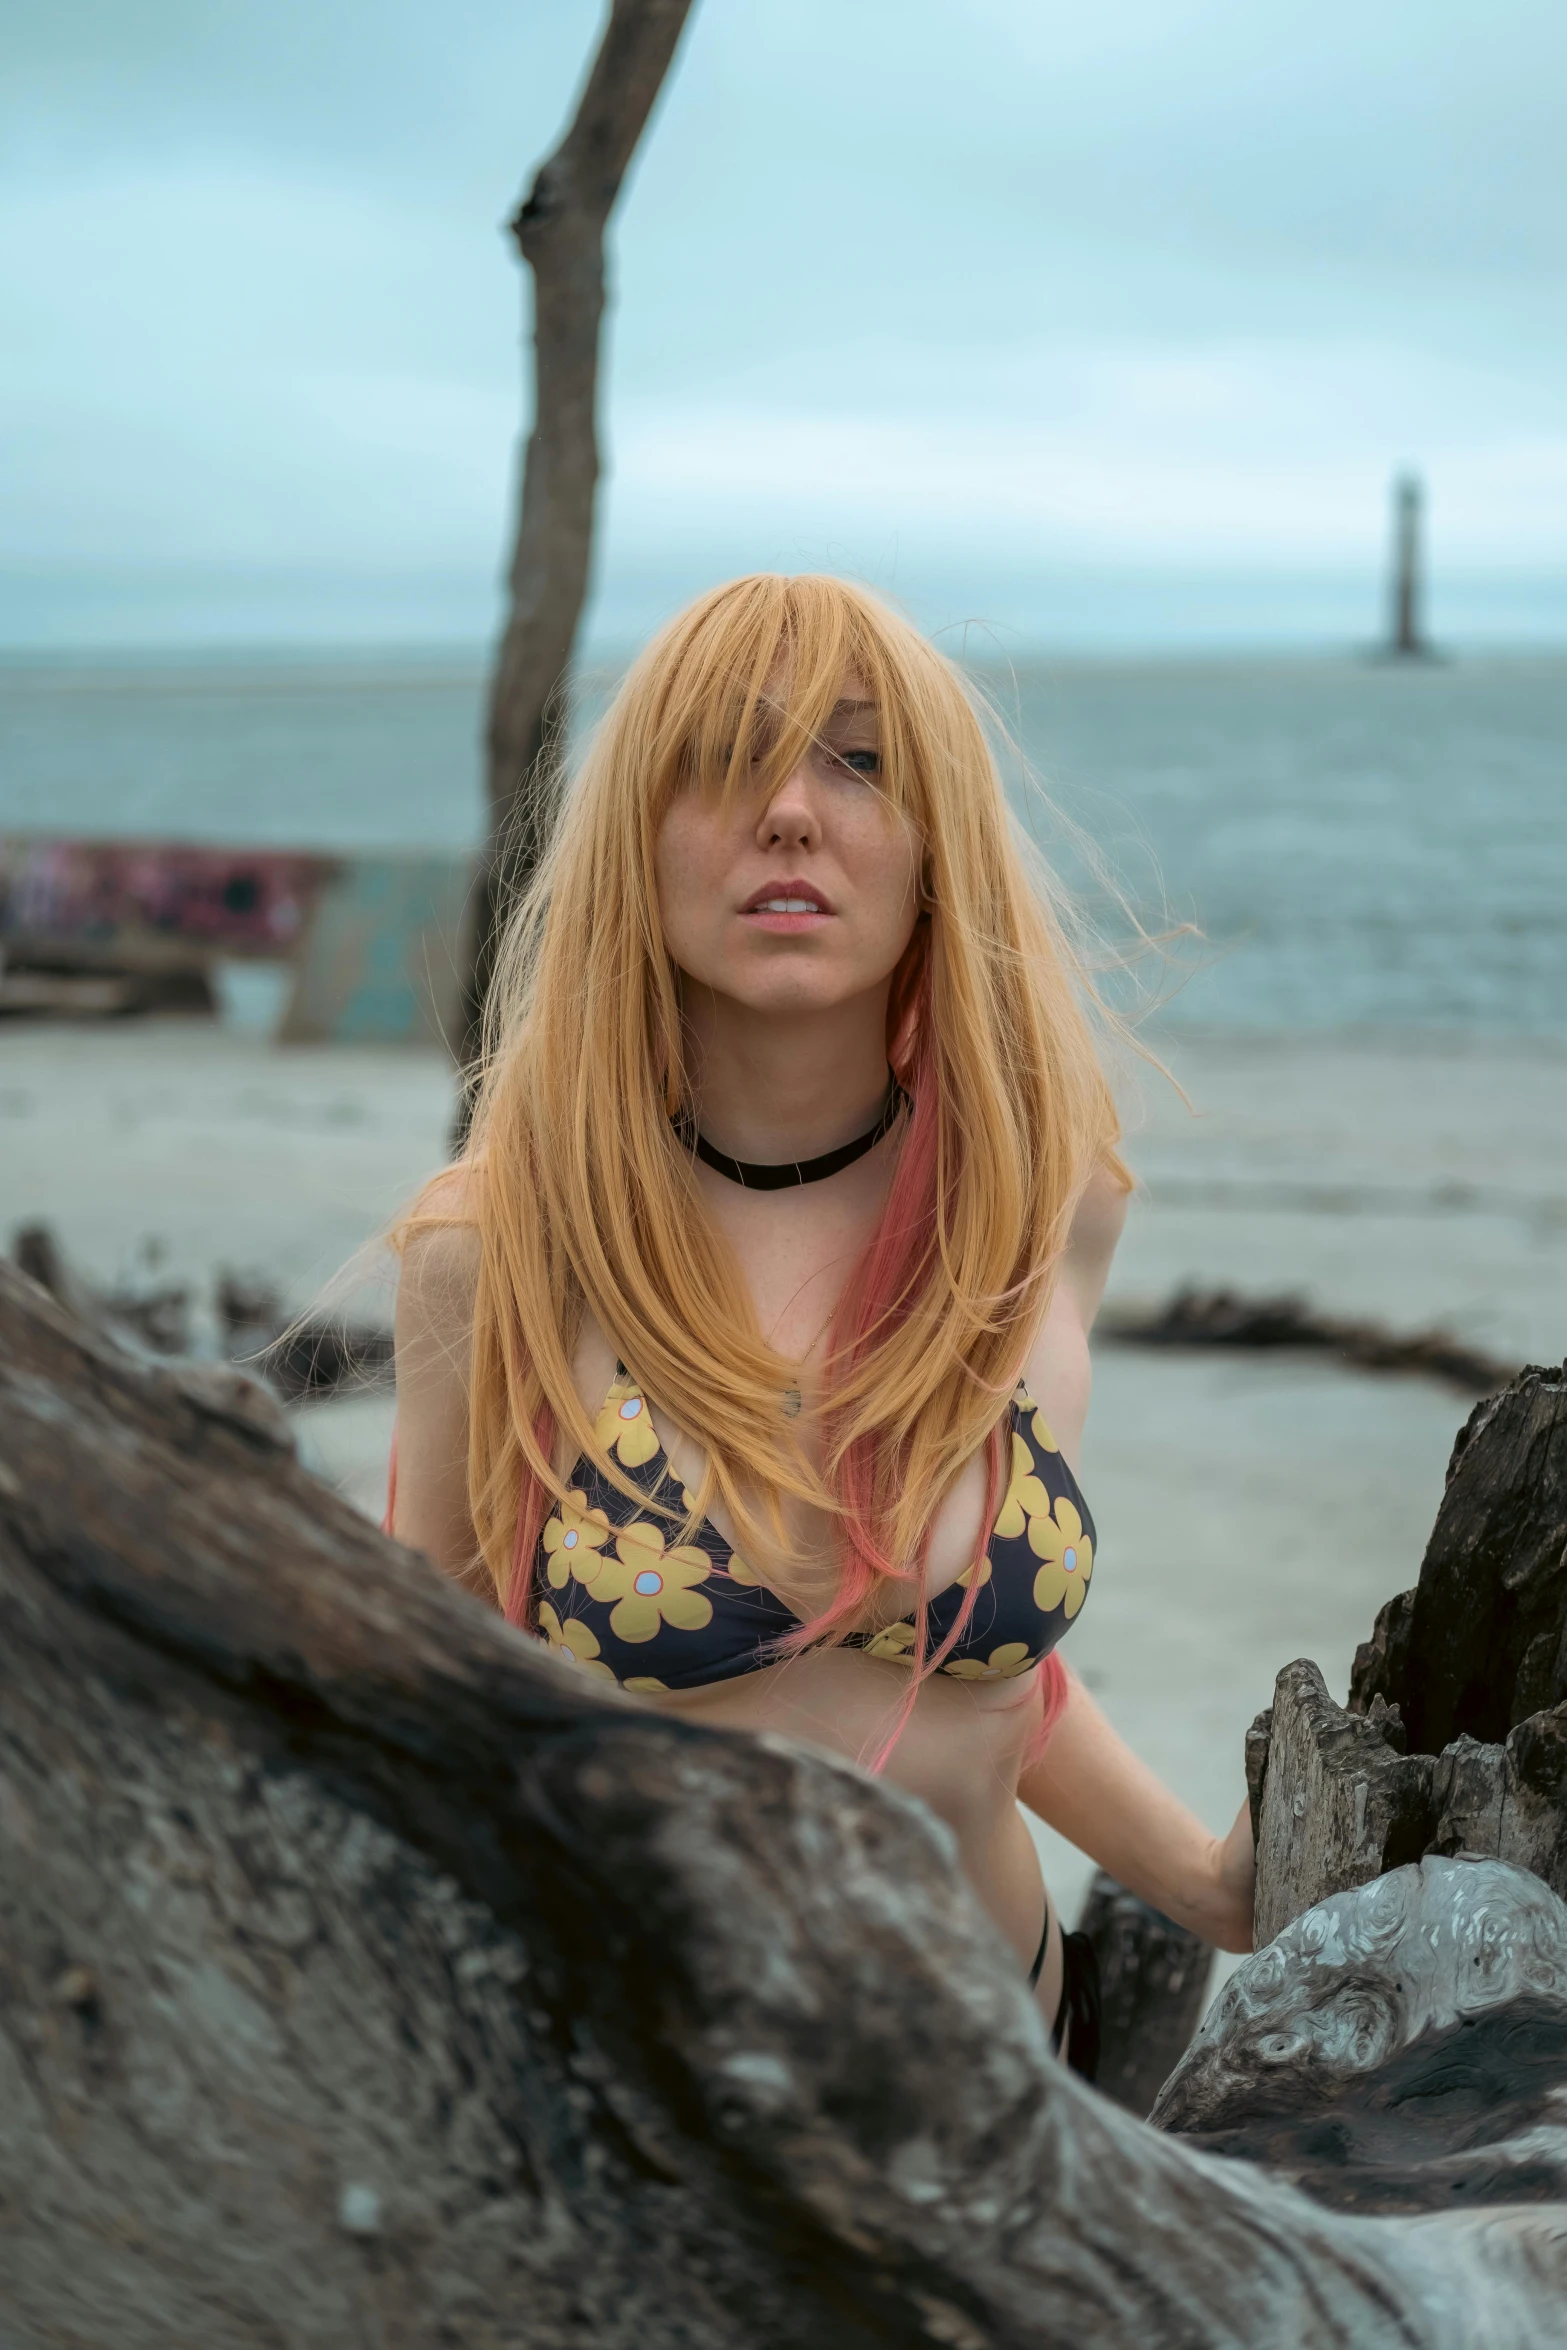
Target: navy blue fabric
[(617, 1593)]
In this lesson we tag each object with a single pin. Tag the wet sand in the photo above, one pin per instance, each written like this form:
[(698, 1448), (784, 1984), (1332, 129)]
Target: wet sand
[(1250, 1509)]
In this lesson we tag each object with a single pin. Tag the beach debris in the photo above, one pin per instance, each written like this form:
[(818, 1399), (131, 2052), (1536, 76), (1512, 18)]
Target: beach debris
[(146, 1304), (75, 1986), (299, 1358), (687, 2037), (305, 1358), (144, 1307), (1198, 1317)]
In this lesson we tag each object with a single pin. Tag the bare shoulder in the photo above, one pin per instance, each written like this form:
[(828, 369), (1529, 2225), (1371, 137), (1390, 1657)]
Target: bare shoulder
[(1057, 1371), (449, 1200), (440, 1262), (1097, 1226)]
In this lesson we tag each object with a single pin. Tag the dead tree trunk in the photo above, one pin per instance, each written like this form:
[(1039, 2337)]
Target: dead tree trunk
[(559, 231), (1455, 1738), (368, 1977), (1480, 1644)]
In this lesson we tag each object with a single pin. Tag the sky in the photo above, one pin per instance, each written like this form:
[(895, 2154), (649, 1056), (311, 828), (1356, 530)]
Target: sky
[(1094, 328)]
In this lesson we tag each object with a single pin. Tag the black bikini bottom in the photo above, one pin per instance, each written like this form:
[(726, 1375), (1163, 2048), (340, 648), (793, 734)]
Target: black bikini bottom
[(1077, 2015)]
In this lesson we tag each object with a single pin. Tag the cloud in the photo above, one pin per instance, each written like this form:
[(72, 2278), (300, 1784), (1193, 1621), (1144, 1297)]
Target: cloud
[(991, 282)]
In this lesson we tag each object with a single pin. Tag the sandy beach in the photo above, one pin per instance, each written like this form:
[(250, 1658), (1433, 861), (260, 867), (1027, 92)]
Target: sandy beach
[(1250, 1509)]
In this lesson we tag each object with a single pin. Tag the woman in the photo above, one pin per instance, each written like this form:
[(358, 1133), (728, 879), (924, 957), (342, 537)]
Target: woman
[(744, 1356)]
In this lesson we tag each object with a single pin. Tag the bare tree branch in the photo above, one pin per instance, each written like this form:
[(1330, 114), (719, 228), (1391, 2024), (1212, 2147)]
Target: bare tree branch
[(559, 231)]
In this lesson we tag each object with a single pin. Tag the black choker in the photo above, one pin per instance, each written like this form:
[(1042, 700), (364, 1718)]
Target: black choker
[(784, 1176)]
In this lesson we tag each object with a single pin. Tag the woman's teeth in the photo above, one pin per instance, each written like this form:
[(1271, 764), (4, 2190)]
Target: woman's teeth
[(789, 906)]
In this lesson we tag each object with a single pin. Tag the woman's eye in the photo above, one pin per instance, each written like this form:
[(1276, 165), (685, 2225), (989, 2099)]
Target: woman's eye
[(859, 762)]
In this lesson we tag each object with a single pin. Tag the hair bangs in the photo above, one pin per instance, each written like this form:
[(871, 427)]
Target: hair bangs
[(755, 680)]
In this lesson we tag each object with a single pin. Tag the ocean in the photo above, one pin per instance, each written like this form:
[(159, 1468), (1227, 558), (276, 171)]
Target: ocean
[(1360, 846)]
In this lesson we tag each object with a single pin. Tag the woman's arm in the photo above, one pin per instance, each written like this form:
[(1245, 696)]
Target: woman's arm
[(1088, 1784), (1091, 1243), (1091, 1788), (1057, 1372), (434, 1339)]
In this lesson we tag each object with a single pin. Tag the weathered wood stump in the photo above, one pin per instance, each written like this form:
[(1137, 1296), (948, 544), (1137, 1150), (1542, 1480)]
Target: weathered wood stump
[(1455, 1736), (367, 1976), (1480, 1644)]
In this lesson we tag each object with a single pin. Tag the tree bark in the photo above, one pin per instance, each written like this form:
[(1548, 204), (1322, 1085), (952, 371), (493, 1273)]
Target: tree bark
[(369, 1976), (1481, 1643), (559, 232), (1455, 1738), (1153, 1983), (1340, 1801)]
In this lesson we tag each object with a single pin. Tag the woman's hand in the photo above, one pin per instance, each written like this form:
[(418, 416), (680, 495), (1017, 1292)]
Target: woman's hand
[(1235, 1885)]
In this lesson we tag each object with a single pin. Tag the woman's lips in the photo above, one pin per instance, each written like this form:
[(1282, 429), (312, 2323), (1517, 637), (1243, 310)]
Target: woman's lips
[(786, 908)]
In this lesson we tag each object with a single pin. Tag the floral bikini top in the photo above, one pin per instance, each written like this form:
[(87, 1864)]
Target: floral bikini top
[(617, 1598)]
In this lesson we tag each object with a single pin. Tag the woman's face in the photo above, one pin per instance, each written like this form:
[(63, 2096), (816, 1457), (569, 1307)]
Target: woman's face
[(800, 901)]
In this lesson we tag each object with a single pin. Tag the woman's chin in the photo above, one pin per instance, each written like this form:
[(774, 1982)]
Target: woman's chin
[(790, 992)]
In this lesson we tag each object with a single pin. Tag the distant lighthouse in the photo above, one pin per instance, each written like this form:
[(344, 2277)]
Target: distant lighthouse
[(1406, 638)]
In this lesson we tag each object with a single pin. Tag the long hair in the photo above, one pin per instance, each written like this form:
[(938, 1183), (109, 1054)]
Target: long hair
[(583, 1198)]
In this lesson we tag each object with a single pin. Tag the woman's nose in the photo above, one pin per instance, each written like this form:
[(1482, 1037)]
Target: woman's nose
[(789, 819)]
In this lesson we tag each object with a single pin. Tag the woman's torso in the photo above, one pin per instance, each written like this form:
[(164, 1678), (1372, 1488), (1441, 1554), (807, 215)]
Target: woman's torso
[(964, 1743)]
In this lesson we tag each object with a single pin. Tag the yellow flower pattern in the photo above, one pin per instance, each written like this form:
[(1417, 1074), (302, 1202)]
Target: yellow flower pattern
[(1068, 1555), (1026, 1496), (625, 1425), (1002, 1664), (652, 1586), (655, 1592), (893, 1641), (573, 1541), (573, 1642)]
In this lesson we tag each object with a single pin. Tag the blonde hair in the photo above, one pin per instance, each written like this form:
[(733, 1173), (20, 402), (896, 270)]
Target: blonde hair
[(583, 1198)]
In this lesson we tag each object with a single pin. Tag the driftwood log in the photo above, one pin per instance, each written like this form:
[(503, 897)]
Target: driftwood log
[(1455, 1736), (368, 1976), (1195, 1317), (1402, 2047)]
